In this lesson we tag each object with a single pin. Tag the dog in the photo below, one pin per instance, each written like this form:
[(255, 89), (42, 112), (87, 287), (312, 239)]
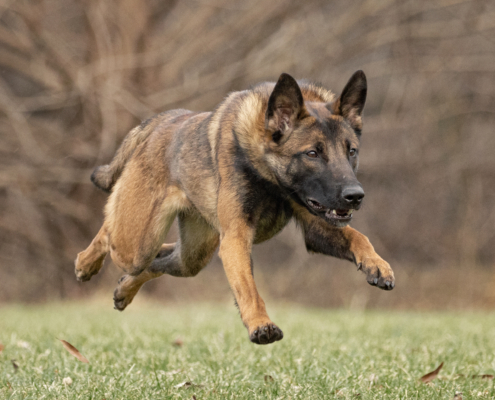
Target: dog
[(233, 178)]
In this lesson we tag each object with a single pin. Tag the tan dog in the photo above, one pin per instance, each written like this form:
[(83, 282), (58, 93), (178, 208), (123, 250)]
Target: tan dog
[(235, 177)]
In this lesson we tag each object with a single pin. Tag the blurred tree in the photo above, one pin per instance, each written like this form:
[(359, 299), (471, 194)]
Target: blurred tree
[(76, 76)]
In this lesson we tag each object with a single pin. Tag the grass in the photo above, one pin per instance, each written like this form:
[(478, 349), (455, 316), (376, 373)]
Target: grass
[(324, 355)]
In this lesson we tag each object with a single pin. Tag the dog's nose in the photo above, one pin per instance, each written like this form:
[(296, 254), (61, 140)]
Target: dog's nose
[(353, 194)]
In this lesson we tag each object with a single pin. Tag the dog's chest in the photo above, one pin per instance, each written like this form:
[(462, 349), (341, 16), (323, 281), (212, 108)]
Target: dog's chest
[(263, 202), (273, 218)]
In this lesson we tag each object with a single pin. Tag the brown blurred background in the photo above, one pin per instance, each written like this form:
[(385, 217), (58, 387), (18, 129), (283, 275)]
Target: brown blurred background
[(75, 76)]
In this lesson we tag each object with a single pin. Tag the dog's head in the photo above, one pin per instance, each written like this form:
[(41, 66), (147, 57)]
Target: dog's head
[(313, 147)]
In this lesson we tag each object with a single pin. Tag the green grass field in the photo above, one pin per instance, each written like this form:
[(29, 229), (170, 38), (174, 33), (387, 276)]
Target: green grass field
[(324, 354)]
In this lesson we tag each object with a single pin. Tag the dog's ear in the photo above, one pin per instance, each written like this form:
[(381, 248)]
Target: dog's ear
[(285, 106), (350, 104)]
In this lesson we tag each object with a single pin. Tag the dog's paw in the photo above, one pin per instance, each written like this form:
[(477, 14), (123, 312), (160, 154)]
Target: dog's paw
[(83, 275), (266, 334), (84, 270), (378, 273), (122, 296)]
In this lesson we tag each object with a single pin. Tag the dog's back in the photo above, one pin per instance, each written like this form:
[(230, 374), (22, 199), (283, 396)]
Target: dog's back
[(104, 177)]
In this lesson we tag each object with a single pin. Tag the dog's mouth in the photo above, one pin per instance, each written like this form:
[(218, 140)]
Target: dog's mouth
[(337, 215)]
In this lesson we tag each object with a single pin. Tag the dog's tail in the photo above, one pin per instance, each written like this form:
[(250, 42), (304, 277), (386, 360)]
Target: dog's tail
[(105, 176)]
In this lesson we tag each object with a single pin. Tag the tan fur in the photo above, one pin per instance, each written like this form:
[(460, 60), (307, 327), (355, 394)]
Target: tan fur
[(220, 175), (105, 176), (351, 245), (366, 258)]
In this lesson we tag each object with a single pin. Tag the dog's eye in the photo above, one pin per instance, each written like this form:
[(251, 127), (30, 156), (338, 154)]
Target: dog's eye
[(352, 152), (312, 154)]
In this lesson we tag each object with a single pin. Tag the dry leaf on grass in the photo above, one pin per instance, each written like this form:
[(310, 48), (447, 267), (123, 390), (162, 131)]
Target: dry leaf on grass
[(1, 347), (484, 376), (431, 375), (268, 378), (187, 385), (458, 396), (16, 367), (178, 342), (72, 350)]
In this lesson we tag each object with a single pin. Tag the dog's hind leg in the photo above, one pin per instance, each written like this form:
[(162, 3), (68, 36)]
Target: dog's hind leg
[(90, 261), (187, 257), (197, 243)]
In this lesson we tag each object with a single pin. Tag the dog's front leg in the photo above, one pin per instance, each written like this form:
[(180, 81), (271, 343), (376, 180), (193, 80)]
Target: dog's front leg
[(378, 271), (235, 252), (347, 243)]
